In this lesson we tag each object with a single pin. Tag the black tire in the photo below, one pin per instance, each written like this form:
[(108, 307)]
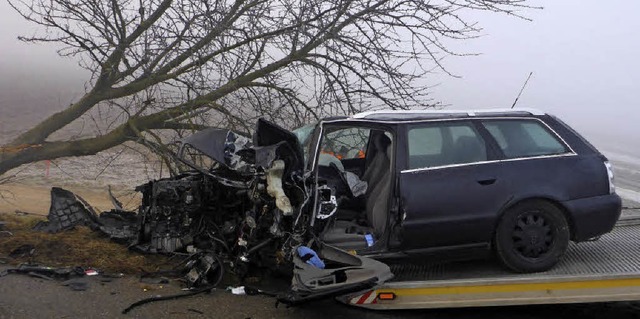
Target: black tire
[(531, 236)]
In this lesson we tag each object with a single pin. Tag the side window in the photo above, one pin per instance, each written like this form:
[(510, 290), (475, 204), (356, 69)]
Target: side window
[(447, 143), (524, 138), (425, 141), (346, 143)]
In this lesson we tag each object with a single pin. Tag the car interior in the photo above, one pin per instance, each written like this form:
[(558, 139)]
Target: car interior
[(362, 219)]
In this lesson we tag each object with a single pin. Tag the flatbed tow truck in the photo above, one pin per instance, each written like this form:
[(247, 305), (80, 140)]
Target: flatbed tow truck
[(604, 270)]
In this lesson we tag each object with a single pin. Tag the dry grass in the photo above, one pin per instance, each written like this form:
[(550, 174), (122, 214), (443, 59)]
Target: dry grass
[(77, 247)]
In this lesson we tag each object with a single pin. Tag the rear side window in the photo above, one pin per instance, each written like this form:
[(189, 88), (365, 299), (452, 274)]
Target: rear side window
[(524, 138), (439, 144)]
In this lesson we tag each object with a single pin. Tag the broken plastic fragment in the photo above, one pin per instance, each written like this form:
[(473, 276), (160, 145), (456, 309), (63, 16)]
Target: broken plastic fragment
[(76, 284), (237, 290), (23, 251), (91, 272), (117, 205), (274, 187), (369, 239), (310, 257), (67, 210)]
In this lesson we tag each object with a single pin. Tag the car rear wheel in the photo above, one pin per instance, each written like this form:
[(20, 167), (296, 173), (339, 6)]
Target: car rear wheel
[(531, 236)]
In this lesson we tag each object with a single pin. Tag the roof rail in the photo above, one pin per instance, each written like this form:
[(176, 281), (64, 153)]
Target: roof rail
[(467, 112)]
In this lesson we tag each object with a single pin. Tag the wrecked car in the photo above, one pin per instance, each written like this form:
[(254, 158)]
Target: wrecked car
[(322, 202), (520, 183)]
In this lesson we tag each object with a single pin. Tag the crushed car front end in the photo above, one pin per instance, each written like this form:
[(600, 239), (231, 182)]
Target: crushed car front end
[(248, 205)]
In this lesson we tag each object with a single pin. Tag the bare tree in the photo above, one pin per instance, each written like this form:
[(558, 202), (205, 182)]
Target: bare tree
[(179, 64)]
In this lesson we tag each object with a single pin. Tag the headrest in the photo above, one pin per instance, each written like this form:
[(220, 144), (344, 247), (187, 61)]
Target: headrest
[(382, 142)]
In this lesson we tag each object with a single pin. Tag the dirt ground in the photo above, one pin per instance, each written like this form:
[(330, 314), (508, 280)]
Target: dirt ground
[(35, 199)]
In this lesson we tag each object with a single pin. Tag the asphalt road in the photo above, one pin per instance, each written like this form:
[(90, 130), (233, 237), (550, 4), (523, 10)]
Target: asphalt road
[(27, 297)]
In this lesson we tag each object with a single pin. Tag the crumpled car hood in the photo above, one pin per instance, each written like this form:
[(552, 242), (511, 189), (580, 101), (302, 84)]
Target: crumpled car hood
[(224, 146)]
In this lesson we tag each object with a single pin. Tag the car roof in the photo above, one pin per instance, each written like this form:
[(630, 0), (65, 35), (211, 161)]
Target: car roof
[(413, 115)]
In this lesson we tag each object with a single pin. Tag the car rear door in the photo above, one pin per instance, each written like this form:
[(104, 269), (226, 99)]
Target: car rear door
[(451, 188), (539, 163)]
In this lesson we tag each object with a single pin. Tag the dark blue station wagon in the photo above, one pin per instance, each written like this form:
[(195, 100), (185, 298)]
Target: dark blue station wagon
[(404, 183)]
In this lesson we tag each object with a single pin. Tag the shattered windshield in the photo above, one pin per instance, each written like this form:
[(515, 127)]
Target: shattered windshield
[(304, 137)]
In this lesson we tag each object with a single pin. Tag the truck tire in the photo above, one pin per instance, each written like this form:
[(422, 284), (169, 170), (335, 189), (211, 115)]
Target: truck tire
[(531, 236)]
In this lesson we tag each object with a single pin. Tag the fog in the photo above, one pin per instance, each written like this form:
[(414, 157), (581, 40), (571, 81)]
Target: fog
[(584, 55)]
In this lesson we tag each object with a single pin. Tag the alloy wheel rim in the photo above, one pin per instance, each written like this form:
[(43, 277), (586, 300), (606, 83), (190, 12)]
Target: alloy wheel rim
[(532, 235)]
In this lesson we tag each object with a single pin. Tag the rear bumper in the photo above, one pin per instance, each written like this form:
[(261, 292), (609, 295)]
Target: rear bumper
[(593, 216)]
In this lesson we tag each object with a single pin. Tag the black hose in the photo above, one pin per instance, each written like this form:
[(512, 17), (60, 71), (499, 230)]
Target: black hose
[(220, 273), (171, 297), (258, 246)]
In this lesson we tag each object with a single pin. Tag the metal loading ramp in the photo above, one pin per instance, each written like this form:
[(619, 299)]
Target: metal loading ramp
[(598, 271)]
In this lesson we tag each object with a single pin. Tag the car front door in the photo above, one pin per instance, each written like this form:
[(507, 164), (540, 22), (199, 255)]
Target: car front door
[(451, 187), (321, 270)]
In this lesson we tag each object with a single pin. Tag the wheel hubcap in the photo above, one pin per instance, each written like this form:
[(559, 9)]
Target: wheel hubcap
[(532, 235)]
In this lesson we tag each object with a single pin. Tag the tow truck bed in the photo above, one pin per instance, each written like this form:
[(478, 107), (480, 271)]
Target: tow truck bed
[(598, 271)]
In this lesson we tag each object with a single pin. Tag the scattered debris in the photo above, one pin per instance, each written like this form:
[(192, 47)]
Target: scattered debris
[(41, 276), (91, 272), (76, 285), (112, 275), (237, 290), (194, 292), (57, 273), (73, 277), (67, 210), (26, 250)]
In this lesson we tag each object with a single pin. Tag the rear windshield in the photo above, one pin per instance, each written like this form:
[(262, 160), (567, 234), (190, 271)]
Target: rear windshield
[(524, 138)]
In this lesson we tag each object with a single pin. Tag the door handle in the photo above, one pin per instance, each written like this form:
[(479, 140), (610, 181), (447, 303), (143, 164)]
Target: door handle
[(488, 181)]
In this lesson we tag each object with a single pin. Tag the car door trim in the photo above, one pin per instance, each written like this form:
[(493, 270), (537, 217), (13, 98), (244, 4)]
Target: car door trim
[(415, 170)]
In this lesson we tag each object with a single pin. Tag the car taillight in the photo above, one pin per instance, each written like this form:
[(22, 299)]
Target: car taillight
[(612, 187)]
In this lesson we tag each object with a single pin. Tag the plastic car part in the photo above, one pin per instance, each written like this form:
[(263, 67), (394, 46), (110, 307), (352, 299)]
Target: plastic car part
[(204, 269), (328, 203), (67, 210), (274, 187), (343, 273)]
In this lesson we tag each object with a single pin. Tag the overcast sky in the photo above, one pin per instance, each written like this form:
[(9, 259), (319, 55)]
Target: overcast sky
[(584, 55)]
